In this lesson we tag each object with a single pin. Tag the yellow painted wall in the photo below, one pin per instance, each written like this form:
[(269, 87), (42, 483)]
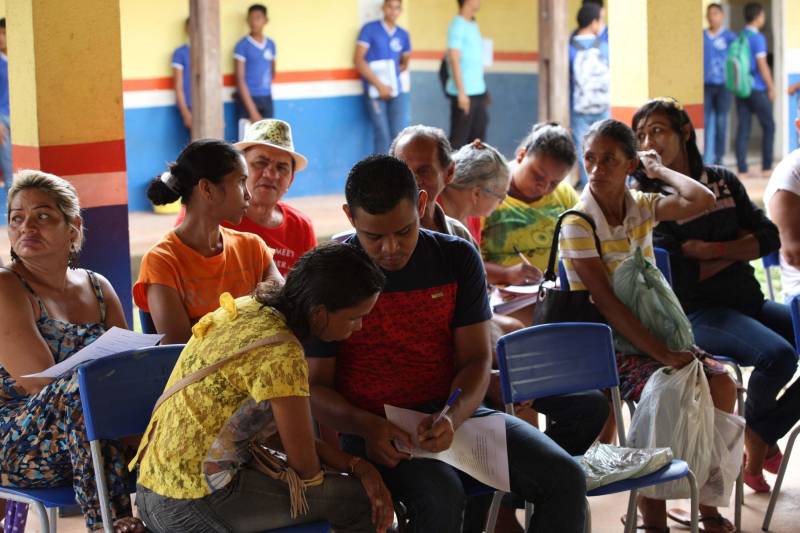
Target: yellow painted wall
[(629, 73), (792, 24), (513, 25)]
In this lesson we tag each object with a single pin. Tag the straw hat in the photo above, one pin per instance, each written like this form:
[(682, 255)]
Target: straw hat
[(275, 133)]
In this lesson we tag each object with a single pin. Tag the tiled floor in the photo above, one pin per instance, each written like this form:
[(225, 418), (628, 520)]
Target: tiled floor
[(607, 510)]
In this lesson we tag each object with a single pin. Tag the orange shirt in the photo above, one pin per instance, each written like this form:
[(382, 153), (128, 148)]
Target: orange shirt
[(200, 280)]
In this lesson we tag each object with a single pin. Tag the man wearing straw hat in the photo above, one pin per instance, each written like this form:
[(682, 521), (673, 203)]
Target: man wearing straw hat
[(272, 162)]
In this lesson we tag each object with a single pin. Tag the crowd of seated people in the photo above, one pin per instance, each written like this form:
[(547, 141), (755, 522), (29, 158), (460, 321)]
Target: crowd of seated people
[(397, 314)]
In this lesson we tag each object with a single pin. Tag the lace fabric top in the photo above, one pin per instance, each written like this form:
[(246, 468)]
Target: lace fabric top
[(63, 338)]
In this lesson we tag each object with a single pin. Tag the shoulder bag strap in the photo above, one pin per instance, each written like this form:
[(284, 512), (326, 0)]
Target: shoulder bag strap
[(550, 273), (198, 375)]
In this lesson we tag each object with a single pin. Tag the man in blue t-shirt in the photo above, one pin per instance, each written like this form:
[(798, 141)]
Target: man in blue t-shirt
[(760, 100), (716, 97), (254, 60), (427, 336), (382, 53), (182, 81), (589, 77), (5, 111), (466, 86)]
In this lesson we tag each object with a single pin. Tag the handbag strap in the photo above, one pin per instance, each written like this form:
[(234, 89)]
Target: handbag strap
[(550, 273), (198, 375)]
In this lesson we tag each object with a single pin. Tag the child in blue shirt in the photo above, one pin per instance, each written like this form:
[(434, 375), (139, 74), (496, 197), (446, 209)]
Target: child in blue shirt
[(182, 81), (760, 100), (716, 98), (254, 57), (382, 53)]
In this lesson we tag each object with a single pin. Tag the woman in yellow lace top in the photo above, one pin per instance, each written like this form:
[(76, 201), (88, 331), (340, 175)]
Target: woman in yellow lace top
[(196, 470)]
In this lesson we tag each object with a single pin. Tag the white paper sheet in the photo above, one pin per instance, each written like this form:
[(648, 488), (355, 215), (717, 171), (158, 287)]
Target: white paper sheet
[(384, 70), (478, 449), (113, 341)]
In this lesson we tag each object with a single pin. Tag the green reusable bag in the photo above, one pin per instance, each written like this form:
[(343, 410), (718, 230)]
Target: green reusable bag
[(641, 286), (738, 79)]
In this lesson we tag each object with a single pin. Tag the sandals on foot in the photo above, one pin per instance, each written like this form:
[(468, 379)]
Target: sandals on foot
[(756, 482), (773, 463), (717, 522)]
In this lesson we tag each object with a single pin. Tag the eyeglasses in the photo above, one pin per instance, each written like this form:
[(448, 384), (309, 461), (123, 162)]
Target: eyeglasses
[(494, 194)]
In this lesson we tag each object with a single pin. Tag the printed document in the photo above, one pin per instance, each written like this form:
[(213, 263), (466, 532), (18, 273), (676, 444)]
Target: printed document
[(478, 449), (111, 342)]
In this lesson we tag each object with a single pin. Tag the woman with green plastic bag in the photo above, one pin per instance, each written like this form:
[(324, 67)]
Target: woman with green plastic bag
[(625, 221)]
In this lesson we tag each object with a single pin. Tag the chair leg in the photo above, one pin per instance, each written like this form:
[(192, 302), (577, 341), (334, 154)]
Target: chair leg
[(631, 518), (52, 517), (739, 495), (528, 515), (695, 503), (587, 525), (102, 489), (494, 509), (776, 489), (44, 521)]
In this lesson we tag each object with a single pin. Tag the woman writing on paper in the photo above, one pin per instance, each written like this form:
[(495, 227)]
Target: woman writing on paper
[(51, 309)]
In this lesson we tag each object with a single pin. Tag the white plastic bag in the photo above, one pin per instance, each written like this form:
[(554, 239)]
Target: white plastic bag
[(726, 459), (604, 464), (676, 410)]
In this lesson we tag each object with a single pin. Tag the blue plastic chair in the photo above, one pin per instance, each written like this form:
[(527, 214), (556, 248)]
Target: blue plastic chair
[(146, 319), (45, 501), (555, 359), (769, 261), (794, 306), (118, 394)]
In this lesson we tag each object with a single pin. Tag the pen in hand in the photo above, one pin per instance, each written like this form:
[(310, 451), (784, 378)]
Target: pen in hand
[(521, 256), (450, 402)]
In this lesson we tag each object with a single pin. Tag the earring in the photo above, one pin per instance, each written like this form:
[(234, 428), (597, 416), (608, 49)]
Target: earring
[(72, 259)]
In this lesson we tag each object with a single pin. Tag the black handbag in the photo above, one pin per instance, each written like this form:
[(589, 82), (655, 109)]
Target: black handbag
[(556, 305)]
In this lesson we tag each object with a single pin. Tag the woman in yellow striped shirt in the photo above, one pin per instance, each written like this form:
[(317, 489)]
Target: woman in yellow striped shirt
[(625, 220)]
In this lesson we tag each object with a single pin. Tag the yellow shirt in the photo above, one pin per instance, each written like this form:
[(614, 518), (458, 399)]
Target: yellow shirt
[(616, 243), (201, 437), (527, 226)]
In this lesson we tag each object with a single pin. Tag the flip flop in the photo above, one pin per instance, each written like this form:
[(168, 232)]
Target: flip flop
[(756, 482), (773, 463), (720, 523)]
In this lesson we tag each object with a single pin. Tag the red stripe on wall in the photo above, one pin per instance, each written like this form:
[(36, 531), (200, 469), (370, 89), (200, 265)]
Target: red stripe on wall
[(292, 76), (72, 159), (498, 56), (625, 114)]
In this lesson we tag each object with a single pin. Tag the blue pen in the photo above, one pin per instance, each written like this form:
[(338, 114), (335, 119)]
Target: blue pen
[(450, 402)]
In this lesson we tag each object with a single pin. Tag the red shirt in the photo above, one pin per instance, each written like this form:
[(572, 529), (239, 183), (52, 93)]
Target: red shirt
[(294, 237)]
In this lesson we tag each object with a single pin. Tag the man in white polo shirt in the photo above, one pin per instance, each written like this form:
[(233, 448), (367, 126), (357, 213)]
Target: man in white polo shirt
[(254, 58)]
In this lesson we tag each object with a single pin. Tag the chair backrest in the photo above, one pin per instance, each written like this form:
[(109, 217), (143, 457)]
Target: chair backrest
[(794, 306), (771, 260), (553, 359), (662, 262), (342, 235), (146, 320), (118, 392), (562, 276)]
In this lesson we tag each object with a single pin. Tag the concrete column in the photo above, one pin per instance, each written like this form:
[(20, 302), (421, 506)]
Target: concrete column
[(66, 104), (656, 49)]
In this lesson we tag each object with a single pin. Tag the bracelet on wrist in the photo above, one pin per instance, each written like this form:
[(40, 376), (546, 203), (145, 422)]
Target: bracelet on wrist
[(353, 463)]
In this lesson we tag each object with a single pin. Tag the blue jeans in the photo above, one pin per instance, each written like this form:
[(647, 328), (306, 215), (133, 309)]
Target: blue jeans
[(757, 103), (717, 104), (764, 342), (541, 472), (388, 118), (5, 153), (264, 104), (580, 123)]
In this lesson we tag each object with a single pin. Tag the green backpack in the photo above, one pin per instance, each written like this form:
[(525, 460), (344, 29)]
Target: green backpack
[(738, 79)]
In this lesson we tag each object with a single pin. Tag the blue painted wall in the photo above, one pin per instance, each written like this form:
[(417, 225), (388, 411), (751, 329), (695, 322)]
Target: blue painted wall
[(512, 113), (334, 133)]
